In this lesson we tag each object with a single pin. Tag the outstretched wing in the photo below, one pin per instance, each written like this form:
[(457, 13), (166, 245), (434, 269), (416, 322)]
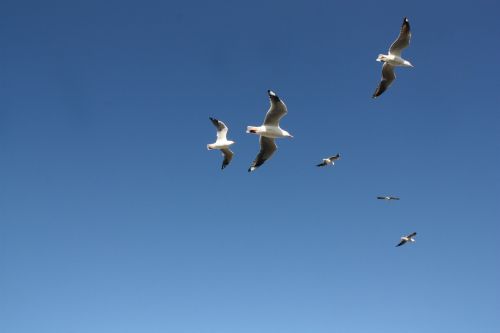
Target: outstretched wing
[(276, 111), (403, 39), (401, 243), (267, 149), (388, 77), (221, 129), (334, 158), (413, 234), (228, 156), (321, 164)]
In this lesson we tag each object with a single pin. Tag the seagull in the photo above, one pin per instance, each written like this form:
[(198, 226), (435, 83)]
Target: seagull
[(330, 160), (269, 130), (406, 239), (388, 197), (393, 59), (222, 143)]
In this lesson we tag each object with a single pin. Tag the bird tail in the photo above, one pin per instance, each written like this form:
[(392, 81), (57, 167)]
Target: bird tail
[(210, 146), (380, 57)]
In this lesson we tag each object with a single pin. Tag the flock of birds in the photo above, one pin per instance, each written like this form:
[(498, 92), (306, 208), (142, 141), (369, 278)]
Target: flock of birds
[(271, 130)]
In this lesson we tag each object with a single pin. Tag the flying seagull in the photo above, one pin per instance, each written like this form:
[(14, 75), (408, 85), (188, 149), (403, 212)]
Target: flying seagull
[(330, 160), (269, 130), (405, 239), (393, 59), (388, 197), (222, 143)]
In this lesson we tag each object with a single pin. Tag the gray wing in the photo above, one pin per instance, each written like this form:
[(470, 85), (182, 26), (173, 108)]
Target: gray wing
[(403, 39), (321, 164), (228, 156), (394, 198), (267, 149), (381, 198), (334, 158), (221, 128), (388, 77), (276, 111), (401, 243), (413, 234)]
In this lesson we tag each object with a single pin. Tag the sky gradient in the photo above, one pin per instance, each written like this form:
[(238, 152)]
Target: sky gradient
[(114, 217)]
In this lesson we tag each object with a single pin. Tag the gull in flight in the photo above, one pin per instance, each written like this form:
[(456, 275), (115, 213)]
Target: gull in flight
[(405, 239), (222, 143), (393, 59), (388, 197), (269, 131), (330, 160)]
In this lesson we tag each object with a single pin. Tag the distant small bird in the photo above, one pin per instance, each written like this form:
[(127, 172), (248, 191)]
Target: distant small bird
[(406, 239), (330, 160), (393, 59), (269, 130), (222, 143), (388, 197)]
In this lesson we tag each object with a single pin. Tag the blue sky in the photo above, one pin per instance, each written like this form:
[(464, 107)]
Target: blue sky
[(110, 205)]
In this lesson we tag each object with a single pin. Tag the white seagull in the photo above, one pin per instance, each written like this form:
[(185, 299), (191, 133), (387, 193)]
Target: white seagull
[(405, 239), (387, 197), (393, 59), (222, 143), (330, 160), (269, 130)]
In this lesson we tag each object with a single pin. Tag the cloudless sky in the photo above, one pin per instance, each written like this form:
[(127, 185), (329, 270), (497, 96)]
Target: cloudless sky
[(115, 218)]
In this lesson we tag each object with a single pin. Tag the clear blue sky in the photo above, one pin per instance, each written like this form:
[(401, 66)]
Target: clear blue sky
[(115, 218)]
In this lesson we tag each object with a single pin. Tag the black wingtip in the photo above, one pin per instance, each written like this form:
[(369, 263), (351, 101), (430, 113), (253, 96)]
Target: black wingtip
[(272, 95), (406, 22)]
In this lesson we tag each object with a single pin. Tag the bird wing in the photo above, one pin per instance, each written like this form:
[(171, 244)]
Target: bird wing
[(388, 76), (394, 198), (381, 198), (401, 243), (221, 129), (334, 158), (413, 234), (321, 164), (267, 149), (276, 111), (403, 39), (228, 156)]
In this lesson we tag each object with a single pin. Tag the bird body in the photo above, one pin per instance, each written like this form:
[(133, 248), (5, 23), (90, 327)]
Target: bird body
[(387, 197), (409, 238), (330, 160), (393, 59), (269, 131), (222, 143)]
